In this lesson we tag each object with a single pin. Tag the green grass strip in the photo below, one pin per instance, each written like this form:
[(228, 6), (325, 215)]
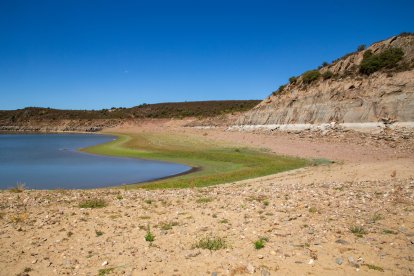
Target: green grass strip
[(217, 164)]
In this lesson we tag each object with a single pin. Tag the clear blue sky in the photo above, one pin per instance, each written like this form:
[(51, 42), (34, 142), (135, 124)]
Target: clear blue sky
[(84, 54)]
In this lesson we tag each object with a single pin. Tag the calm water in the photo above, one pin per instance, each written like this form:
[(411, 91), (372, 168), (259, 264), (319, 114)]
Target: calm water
[(50, 161)]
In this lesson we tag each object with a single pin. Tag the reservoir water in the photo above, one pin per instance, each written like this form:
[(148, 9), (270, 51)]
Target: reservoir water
[(52, 161)]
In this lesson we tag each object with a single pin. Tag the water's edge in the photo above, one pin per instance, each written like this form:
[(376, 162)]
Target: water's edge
[(116, 137)]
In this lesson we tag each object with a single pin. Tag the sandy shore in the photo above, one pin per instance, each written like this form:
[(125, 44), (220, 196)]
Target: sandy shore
[(306, 216)]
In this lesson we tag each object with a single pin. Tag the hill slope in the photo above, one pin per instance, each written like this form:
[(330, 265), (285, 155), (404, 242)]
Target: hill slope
[(371, 85), (46, 119)]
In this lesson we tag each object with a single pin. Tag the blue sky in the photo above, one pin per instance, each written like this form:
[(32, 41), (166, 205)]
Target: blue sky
[(99, 54)]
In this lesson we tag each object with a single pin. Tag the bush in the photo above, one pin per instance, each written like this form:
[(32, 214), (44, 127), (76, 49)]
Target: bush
[(149, 237), (260, 243), (310, 76), (280, 89), (293, 80), (93, 203), (387, 59), (327, 75), (361, 47), (211, 243)]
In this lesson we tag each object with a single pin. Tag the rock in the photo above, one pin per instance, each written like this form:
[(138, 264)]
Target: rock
[(340, 241), (339, 260), (311, 261), (352, 262), (250, 268), (105, 263), (264, 272), (260, 256), (193, 254), (34, 261)]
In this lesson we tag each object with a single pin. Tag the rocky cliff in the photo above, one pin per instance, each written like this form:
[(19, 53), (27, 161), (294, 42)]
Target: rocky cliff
[(342, 92)]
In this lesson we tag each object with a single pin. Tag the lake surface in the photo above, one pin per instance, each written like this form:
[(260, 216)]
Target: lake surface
[(52, 161)]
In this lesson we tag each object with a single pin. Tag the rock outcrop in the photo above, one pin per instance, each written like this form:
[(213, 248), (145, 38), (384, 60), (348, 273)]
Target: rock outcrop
[(346, 96)]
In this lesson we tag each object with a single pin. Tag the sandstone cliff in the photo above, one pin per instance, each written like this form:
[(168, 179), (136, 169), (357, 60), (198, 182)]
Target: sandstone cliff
[(342, 94)]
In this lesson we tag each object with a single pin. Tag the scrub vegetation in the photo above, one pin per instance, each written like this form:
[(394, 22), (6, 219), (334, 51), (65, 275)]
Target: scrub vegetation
[(215, 164)]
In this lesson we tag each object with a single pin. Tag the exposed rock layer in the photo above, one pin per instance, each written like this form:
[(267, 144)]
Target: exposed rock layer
[(348, 97)]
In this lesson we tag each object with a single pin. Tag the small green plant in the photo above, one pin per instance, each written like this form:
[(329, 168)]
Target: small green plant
[(211, 243), (93, 203), (310, 76), (374, 267), (387, 59), (204, 200), (69, 234), (358, 231), (266, 202), (149, 237), (119, 197), (260, 243), (224, 221), (105, 271), (148, 201), (98, 233)]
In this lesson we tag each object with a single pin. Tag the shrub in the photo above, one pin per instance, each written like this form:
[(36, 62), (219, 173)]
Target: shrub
[(325, 64), (361, 47), (260, 243), (93, 203), (204, 200), (327, 75), (358, 231), (211, 243), (19, 188), (310, 76), (149, 237), (293, 80), (387, 59), (280, 89)]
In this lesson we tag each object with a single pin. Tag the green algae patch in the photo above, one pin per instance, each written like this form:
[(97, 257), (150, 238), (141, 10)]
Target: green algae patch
[(212, 163)]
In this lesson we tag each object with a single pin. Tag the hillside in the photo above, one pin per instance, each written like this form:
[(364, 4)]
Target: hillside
[(47, 119), (370, 85)]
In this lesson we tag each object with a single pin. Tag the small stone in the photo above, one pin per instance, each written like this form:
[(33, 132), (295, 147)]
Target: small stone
[(193, 254), (273, 252), (214, 274), (260, 256), (339, 260), (340, 241), (105, 263), (352, 262), (34, 261), (264, 272), (311, 261), (250, 268)]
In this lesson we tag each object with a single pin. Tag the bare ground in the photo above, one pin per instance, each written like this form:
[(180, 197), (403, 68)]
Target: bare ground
[(306, 215)]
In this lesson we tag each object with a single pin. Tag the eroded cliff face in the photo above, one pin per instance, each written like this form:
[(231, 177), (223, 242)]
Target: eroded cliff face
[(346, 97)]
